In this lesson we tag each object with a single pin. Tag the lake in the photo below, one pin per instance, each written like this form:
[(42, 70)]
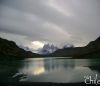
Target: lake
[(57, 70)]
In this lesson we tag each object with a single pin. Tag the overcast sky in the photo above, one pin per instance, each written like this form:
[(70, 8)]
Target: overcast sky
[(35, 22)]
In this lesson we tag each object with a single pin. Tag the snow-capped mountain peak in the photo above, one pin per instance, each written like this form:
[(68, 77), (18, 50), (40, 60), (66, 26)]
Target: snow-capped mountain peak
[(47, 49)]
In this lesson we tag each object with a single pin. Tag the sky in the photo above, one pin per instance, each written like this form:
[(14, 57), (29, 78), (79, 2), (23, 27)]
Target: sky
[(36, 22)]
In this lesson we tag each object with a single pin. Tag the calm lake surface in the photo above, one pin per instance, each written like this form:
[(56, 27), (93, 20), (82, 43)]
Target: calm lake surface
[(59, 70)]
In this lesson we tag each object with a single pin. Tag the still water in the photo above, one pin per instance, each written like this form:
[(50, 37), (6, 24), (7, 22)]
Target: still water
[(59, 70)]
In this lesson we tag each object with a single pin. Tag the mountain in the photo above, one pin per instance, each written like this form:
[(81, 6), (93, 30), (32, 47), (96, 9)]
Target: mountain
[(68, 46), (9, 49), (47, 49), (92, 50), (25, 48)]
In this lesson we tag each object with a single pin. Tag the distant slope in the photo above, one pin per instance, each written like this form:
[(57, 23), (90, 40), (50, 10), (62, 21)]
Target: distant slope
[(68, 52), (92, 50), (9, 49)]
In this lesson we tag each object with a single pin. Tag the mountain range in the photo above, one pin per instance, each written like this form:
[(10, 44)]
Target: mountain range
[(9, 49), (47, 49)]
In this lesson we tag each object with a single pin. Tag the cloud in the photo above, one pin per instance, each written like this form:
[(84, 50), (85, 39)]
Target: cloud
[(54, 21)]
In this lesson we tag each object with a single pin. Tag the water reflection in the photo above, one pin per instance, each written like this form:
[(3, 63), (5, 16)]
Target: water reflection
[(57, 70), (33, 67)]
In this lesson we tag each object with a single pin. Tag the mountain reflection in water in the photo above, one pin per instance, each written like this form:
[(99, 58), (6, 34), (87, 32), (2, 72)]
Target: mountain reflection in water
[(59, 70)]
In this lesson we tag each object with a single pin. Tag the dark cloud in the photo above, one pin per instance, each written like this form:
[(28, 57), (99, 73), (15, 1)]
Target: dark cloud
[(55, 21)]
